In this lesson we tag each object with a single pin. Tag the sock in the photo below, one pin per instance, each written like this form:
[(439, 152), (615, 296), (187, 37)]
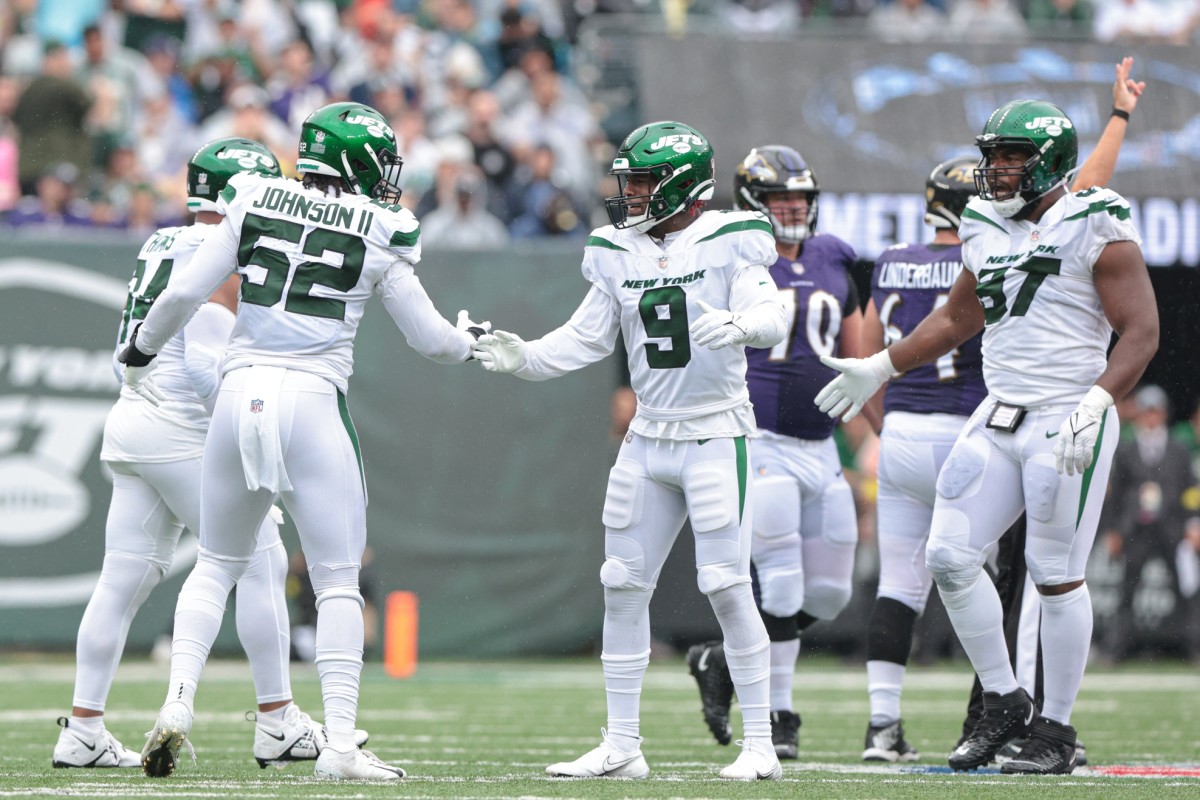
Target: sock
[(198, 614), (978, 620), (87, 727), (274, 716), (885, 680), (125, 583), (783, 671), (1066, 636), (339, 664), (625, 657), (746, 653), (262, 622)]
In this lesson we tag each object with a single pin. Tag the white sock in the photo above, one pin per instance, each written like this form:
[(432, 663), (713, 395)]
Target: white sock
[(339, 664), (125, 583), (1066, 637), (978, 620), (783, 672), (885, 680), (623, 677), (198, 615), (275, 715), (90, 727), (262, 623), (746, 653)]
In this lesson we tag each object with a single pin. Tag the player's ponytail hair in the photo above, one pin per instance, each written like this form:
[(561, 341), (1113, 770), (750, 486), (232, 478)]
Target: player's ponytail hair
[(314, 180)]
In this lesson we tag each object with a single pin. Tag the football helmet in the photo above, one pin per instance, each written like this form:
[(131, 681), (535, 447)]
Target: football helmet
[(776, 169), (216, 162), (678, 161), (1045, 131), (947, 190), (353, 142)]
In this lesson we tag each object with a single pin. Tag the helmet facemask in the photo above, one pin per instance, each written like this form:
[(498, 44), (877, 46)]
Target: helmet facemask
[(1025, 194), (656, 206), (790, 225)]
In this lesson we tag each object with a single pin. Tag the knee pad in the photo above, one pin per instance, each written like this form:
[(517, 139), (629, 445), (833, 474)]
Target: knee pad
[(332, 577), (946, 551), (956, 580), (825, 599), (624, 564), (342, 592), (623, 497), (959, 476), (775, 547)]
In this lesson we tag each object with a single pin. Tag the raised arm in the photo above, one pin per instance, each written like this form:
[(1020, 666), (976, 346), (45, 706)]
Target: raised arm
[(1099, 167)]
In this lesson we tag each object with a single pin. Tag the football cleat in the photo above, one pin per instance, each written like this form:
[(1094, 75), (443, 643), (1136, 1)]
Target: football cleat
[(706, 663), (887, 743), (757, 762), (1049, 750), (785, 734), (1013, 749), (296, 738), (75, 749), (166, 738), (357, 765), (605, 761), (1005, 717)]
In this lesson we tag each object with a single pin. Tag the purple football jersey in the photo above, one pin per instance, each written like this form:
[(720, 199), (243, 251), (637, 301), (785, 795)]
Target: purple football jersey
[(784, 380), (909, 282)]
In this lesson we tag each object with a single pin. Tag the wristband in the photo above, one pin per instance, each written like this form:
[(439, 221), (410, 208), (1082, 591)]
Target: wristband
[(1116, 112)]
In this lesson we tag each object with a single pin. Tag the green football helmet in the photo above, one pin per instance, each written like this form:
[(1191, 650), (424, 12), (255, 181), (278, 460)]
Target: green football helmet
[(1045, 131), (677, 160), (353, 142), (216, 162)]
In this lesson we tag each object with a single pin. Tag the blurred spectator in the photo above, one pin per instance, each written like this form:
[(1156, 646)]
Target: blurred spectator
[(547, 207), (519, 32), (66, 21), (515, 86), (247, 115), (420, 156), (461, 221), (1061, 17), (10, 187), (145, 19), (118, 79), (50, 117), (162, 53), (906, 21), (444, 96), (1151, 21), (382, 81), (1144, 509), (298, 87), (231, 60), (986, 21), (492, 157), (54, 203)]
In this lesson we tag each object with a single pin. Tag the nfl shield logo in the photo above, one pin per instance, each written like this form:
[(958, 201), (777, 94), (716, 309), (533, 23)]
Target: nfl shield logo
[(662, 262), (256, 406), (1035, 236)]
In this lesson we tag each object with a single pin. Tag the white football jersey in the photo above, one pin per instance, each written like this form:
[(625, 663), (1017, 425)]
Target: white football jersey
[(309, 262), (1046, 337), (656, 292)]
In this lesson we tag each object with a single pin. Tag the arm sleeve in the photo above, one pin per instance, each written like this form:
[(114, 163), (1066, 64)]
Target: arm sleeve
[(425, 330), (214, 261), (588, 336), (204, 341), (754, 297)]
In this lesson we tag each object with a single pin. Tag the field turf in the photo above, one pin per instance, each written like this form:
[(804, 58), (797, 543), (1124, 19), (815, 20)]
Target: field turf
[(488, 729)]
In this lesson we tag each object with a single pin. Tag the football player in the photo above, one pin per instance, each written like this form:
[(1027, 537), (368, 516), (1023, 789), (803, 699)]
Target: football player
[(309, 255), (805, 527), (154, 452), (1049, 276), (688, 290)]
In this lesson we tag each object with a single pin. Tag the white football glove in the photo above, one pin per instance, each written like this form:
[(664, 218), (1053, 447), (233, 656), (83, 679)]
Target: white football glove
[(499, 352), (859, 381), (1076, 445), (717, 328), (476, 329), (140, 380)]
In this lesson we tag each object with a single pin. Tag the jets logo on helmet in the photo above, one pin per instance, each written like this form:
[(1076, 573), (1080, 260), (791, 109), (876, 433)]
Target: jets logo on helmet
[(1034, 127), (675, 163), (772, 171), (216, 162), (375, 126)]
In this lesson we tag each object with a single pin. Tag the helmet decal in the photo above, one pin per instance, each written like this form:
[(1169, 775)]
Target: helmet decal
[(673, 160)]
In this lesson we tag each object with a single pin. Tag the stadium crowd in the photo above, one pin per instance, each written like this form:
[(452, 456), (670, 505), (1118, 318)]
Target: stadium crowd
[(102, 101)]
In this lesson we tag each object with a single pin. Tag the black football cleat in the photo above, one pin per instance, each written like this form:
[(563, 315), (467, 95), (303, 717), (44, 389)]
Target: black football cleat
[(1005, 717), (1049, 750), (785, 734), (706, 663), (887, 743)]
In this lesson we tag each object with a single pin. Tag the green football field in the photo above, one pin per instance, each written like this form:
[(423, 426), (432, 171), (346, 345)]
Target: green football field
[(488, 729)]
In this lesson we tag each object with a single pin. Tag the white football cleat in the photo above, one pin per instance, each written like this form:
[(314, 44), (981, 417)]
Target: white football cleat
[(758, 762), (75, 749), (605, 761), (357, 765), (164, 741), (296, 738)]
